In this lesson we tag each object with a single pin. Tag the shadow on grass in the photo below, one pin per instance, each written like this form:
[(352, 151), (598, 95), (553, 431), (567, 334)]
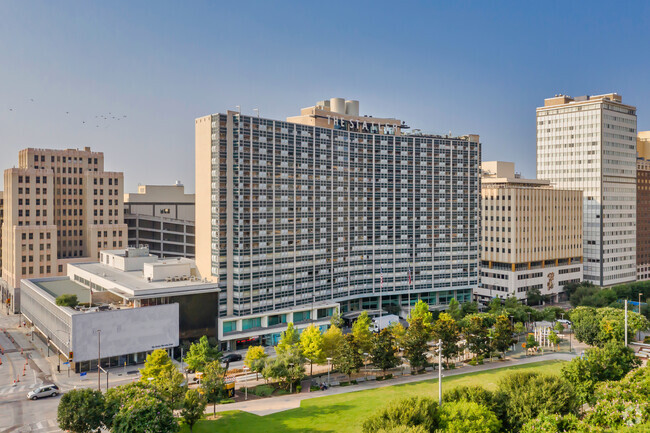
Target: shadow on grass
[(299, 420)]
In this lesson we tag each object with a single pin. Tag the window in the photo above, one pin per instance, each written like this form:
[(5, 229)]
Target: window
[(251, 323), (229, 326)]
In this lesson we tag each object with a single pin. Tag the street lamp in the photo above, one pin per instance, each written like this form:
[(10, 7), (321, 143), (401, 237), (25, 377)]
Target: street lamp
[(439, 345), (329, 360), (99, 358)]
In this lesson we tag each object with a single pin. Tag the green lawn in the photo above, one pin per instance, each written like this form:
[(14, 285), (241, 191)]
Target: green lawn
[(346, 412)]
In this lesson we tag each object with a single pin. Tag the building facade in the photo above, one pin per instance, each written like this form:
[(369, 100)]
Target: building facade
[(60, 207), (531, 236), (162, 218), (589, 143), (349, 211), (642, 206)]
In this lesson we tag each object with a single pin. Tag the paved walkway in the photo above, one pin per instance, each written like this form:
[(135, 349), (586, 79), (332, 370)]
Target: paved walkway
[(267, 406)]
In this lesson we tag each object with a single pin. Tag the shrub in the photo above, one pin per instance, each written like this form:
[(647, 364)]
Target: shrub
[(262, 390), (66, 300), (550, 423), (409, 412), (468, 417), (298, 389), (226, 401)]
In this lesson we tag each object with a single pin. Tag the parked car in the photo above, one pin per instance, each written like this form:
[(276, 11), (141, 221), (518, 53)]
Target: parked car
[(43, 391), (231, 357), (564, 321)]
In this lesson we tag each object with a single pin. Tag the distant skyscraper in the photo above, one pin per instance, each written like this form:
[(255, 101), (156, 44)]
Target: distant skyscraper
[(60, 207), (161, 217), (589, 143), (532, 235), (643, 206), (331, 209)]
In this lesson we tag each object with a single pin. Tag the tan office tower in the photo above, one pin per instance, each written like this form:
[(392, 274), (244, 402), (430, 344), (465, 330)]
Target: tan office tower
[(531, 235), (60, 207), (643, 206), (589, 143)]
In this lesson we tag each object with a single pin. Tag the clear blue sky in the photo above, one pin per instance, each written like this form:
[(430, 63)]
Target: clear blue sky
[(466, 67)]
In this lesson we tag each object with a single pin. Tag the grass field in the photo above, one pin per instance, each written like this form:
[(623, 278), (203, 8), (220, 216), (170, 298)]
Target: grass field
[(345, 413)]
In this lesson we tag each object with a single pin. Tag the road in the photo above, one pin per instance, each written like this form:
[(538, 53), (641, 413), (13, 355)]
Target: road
[(17, 414)]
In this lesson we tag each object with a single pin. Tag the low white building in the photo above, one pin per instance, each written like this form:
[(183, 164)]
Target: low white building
[(134, 301)]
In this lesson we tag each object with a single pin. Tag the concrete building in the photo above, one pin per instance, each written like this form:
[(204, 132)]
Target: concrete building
[(331, 209), (61, 207), (139, 302), (589, 143), (162, 218), (531, 235), (643, 206)]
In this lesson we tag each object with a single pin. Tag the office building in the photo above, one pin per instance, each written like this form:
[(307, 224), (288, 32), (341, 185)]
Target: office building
[(330, 210), (589, 143), (161, 217), (531, 236), (643, 206), (138, 301), (60, 207)]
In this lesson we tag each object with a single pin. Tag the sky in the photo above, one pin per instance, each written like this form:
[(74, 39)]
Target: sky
[(128, 78)]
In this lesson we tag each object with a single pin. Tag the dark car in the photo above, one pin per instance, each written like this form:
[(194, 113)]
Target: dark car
[(231, 357)]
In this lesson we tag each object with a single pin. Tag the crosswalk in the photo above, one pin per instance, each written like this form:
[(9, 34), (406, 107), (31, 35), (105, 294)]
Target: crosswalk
[(5, 390), (49, 426)]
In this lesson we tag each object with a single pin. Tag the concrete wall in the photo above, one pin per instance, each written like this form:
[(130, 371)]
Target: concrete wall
[(125, 331)]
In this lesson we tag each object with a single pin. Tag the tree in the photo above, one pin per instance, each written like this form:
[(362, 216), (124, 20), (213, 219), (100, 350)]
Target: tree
[(162, 374), (496, 306), (468, 417), (476, 335), (477, 394), (511, 303), (408, 412), (332, 339), (212, 383), (289, 340), (287, 367), (534, 296), (311, 342), (348, 358), (453, 309), (447, 330), (502, 334), (610, 362), (597, 326), (118, 397), (586, 325), (193, 408), (383, 351), (559, 328), (200, 354), (81, 411), (362, 333), (527, 394), (336, 320), (157, 365), (519, 329), (144, 414), (255, 359), (468, 308), (399, 332), (415, 343), (420, 310), (554, 339), (66, 300)]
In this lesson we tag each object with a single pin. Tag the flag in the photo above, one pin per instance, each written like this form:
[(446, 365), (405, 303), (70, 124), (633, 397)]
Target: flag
[(381, 277)]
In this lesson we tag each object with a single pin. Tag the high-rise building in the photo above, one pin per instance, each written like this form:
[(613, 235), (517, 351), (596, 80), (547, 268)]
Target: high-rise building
[(589, 143), (162, 218), (60, 207), (531, 235), (642, 206), (330, 210)]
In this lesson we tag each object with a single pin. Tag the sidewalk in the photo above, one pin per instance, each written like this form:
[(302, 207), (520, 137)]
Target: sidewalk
[(267, 406)]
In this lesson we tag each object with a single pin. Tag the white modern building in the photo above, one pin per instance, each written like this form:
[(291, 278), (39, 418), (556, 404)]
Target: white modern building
[(589, 143), (138, 301)]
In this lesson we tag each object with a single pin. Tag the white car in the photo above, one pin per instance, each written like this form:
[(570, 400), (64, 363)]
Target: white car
[(564, 321), (43, 391)]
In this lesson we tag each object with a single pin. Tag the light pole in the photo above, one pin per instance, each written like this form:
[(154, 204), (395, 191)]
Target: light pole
[(329, 360), (439, 372), (626, 323), (245, 383), (99, 359)]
